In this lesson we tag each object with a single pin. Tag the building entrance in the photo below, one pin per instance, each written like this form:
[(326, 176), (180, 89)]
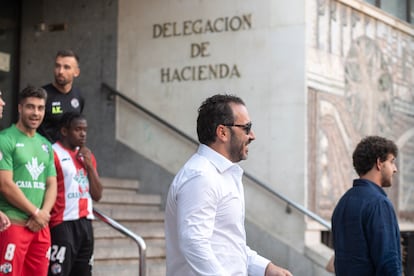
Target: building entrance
[(9, 56)]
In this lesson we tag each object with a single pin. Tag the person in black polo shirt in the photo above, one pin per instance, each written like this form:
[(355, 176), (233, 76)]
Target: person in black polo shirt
[(62, 97)]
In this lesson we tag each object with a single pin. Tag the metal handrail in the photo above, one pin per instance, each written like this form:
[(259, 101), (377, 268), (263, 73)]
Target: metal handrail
[(142, 247), (146, 111), (289, 202)]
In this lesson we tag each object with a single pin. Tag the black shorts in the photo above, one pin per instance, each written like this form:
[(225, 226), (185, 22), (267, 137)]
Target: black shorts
[(72, 248)]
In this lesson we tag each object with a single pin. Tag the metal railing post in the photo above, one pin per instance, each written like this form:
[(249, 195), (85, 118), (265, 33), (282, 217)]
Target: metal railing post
[(142, 247)]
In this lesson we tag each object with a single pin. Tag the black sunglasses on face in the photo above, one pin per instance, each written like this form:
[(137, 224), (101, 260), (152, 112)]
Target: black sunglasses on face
[(247, 127)]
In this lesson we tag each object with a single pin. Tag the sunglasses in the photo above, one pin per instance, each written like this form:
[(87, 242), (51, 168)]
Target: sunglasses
[(247, 127)]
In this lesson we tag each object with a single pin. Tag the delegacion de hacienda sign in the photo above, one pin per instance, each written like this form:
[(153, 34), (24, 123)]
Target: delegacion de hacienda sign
[(196, 27)]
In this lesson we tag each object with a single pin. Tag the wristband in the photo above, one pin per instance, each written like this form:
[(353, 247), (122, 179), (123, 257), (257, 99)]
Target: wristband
[(36, 212)]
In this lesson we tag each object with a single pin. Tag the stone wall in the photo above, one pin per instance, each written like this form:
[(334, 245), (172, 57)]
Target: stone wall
[(360, 82)]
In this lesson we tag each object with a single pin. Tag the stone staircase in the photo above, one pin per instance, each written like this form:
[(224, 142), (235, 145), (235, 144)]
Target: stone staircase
[(116, 254)]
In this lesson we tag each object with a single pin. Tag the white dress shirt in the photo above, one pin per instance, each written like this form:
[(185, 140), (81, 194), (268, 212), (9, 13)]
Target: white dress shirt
[(204, 220)]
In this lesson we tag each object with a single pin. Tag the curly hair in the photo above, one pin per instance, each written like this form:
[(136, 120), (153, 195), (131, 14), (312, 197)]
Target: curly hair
[(214, 111), (69, 117), (369, 150)]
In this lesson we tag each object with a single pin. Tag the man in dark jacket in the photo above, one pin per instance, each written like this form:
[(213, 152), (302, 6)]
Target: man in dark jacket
[(365, 229)]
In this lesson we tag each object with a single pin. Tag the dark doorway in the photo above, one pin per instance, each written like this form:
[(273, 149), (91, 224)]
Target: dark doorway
[(9, 58)]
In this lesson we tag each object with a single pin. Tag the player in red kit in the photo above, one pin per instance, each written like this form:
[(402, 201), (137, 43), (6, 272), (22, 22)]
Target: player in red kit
[(78, 184), (27, 189)]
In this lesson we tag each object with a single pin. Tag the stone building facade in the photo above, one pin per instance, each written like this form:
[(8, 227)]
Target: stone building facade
[(360, 82)]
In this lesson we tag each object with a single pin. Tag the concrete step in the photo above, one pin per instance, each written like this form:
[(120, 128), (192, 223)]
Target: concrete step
[(109, 196), (147, 230), (130, 214), (116, 254), (125, 249), (128, 207), (128, 268), (121, 184)]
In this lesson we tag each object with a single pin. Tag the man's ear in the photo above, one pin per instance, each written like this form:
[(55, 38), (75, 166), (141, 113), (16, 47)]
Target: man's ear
[(63, 131), (378, 164), (222, 133), (77, 72)]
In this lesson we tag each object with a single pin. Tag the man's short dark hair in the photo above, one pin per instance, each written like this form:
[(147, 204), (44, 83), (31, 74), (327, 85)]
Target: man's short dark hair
[(68, 118), (369, 150), (214, 111), (31, 91), (68, 53)]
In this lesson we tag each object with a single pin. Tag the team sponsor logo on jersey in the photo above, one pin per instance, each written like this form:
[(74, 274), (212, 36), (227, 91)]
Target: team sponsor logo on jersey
[(19, 145), (30, 184), (74, 102), (6, 268), (1, 155), (56, 269), (78, 195), (56, 108), (34, 168), (82, 179)]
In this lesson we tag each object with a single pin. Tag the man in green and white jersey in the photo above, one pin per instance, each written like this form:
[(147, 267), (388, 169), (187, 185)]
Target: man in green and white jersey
[(27, 189)]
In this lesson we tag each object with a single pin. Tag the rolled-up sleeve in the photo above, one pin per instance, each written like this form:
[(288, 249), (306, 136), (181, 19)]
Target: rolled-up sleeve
[(256, 263)]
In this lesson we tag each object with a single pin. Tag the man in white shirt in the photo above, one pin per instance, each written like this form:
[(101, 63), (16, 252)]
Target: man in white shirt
[(204, 225)]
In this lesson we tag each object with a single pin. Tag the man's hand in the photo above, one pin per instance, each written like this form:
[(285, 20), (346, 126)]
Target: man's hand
[(274, 270), (33, 225), (42, 218), (38, 220), (4, 222), (84, 155)]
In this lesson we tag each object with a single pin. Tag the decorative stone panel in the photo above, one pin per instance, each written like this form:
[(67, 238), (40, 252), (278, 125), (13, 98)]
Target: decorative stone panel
[(360, 82)]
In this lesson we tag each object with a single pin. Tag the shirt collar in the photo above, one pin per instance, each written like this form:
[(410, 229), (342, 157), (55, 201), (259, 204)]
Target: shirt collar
[(219, 161), (366, 182)]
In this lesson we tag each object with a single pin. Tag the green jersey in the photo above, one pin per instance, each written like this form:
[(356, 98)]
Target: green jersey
[(31, 161)]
